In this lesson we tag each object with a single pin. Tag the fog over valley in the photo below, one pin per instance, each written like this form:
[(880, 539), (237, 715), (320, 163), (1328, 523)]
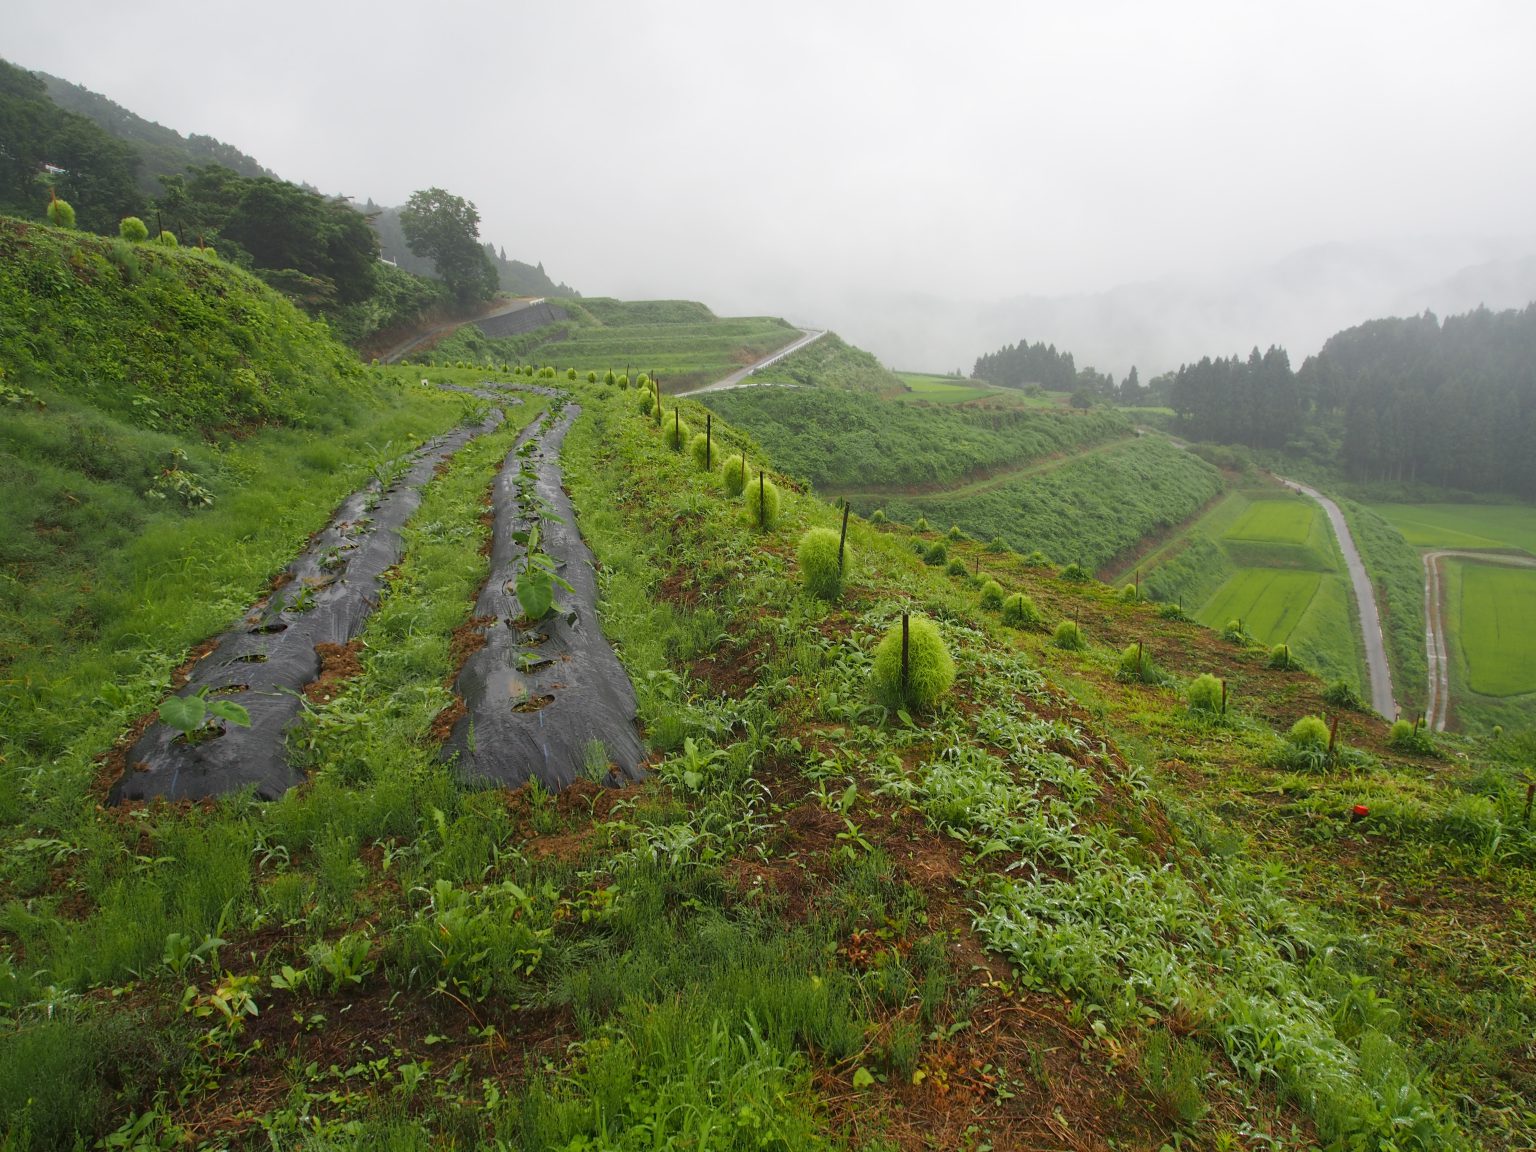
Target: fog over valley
[(1143, 184)]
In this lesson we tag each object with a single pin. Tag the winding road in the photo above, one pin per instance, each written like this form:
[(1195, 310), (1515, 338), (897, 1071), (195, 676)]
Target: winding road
[(1437, 712), (738, 379), (1382, 698)]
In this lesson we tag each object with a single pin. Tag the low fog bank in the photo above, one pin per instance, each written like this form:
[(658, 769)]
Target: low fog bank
[(1296, 302)]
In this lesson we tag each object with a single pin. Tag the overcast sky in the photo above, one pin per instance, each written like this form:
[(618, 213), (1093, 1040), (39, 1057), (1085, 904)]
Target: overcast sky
[(737, 153)]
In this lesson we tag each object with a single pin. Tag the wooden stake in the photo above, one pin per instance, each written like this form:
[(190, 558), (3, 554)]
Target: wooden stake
[(762, 501), (709, 431), (905, 638), (1140, 672), (842, 540), (1223, 697), (1530, 794), (1333, 735)]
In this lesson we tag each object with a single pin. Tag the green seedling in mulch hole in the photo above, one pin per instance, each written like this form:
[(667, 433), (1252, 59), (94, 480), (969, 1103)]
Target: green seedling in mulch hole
[(193, 716), (535, 584)]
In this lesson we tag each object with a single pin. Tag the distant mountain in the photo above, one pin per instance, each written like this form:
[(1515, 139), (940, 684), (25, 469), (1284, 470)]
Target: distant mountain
[(1297, 302), (164, 150)]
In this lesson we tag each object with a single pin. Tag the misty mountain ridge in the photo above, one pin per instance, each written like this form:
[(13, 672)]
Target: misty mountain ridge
[(1296, 302)]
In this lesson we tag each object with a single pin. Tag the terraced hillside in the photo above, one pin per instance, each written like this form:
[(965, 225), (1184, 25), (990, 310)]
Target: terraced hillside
[(1073, 898)]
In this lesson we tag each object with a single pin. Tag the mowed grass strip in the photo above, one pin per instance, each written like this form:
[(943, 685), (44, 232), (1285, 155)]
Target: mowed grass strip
[(1495, 621), (1270, 602), (951, 389), (1474, 526), (1278, 521), (1287, 532)]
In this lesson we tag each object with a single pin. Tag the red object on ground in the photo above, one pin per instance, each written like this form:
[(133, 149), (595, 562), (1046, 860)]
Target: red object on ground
[(1359, 811)]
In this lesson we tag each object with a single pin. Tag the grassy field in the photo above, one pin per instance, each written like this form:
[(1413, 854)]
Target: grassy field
[(960, 390), (1494, 610), (1477, 527)]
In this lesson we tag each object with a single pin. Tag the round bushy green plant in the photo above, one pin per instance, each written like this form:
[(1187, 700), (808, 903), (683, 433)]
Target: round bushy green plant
[(641, 381), (1037, 559), (592, 377), (570, 373), (61, 214), (1130, 593), (936, 555), (1069, 636), (1205, 694), (997, 544), (1172, 612), (1498, 731), (877, 516), (645, 403), (1404, 737), (1234, 632), (734, 476), (1136, 665), (1019, 611), (700, 450), (1280, 657), (921, 525), (957, 567), (676, 434), (992, 595), (168, 240), (133, 229), (930, 671), (762, 502), (819, 570), (608, 378), (955, 533), (1075, 573), (624, 381), (1309, 732)]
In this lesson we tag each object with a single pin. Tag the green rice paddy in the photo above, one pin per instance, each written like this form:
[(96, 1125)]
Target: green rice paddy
[(1480, 527), (1493, 614)]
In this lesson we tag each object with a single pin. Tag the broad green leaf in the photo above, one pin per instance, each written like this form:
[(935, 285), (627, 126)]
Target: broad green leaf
[(184, 713), (230, 711), (863, 1078), (536, 593)]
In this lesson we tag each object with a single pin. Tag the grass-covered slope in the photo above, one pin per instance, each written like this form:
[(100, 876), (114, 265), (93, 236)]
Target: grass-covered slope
[(844, 440), (172, 431), (1086, 510), (1057, 909)]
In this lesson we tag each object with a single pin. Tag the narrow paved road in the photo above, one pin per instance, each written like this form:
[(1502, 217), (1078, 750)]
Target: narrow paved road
[(399, 350), (1437, 712), (738, 379), (1382, 698)]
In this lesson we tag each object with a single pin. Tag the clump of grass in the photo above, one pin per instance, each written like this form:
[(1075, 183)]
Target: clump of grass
[(997, 544), (645, 402), (955, 533), (1410, 738), (1341, 694), (1205, 694), (1174, 1072), (1280, 657), (1234, 633), (992, 595), (1172, 612), (1076, 573), (1136, 665), (1037, 559), (1019, 611), (1069, 637), (1309, 732), (1130, 593), (936, 555), (733, 477), (762, 503), (957, 567), (820, 572), (930, 670), (132, 229), (877, 516), (921, 525), (676, 435), (700, 450)]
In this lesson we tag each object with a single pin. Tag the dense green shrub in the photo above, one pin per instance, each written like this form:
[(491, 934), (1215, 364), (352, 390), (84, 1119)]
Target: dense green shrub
[(608, 378), (1075, 573), (570, 373), (955, 533), (820, 572), (702, 452), (645, 402), (877, 516), (1309, 732), (624, 383), (936, 555), (1205, 693), (1172, 612), (762, 502), (1130, 593), (997, 544), (61, 214), (676, 434), (1409, 738), (1341, 694), (1280, 657), (133, 229), (957, 567), (1234, 632), (733, 476), (1037, 559), (167, 240), (921, 525), (1136, 665), (992, 595), (592, 377), (1069, 636), (930, 671), (1019, 611)]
